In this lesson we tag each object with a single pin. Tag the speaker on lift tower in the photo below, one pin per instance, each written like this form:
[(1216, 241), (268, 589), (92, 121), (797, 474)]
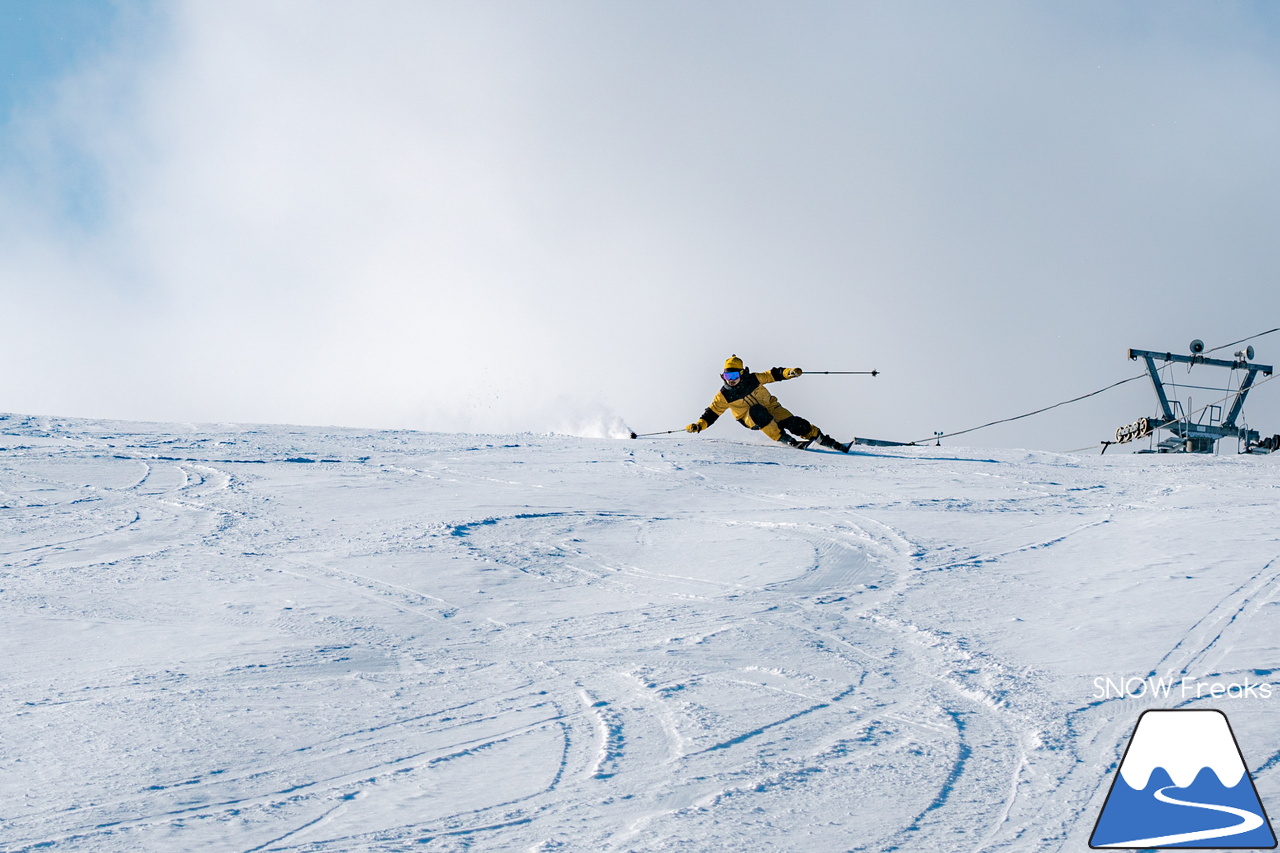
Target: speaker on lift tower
[(1197, 346)]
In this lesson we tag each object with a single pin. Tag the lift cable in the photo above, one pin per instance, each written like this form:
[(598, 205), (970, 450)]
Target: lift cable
[(1029, 414), (1223, 400), (939, 437), (1242, 340)]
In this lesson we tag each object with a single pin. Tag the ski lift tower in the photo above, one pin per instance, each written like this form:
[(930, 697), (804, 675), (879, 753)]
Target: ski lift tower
[(1198, 431)]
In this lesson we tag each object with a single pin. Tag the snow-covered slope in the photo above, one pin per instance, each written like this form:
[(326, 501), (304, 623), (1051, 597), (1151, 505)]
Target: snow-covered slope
[(270, 638)]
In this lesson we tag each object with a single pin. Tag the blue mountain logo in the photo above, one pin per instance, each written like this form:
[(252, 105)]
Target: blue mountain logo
[(1183, 783)]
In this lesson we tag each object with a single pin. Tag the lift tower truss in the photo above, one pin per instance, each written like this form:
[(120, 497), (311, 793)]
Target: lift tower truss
[(1202, 434)]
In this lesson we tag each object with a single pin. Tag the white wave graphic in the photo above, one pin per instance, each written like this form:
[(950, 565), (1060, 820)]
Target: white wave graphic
[(1183, 743)]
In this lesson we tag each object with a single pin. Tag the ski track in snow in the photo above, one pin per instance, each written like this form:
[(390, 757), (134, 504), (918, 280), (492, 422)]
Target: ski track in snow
[(298, 639)]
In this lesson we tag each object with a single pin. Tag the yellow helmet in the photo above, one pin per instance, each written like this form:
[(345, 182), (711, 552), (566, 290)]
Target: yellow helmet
[(733, 363)]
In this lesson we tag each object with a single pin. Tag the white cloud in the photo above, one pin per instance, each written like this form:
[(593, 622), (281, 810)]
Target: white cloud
[(483, 216)]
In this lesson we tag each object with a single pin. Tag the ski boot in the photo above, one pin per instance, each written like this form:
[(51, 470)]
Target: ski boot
[(798, 444), (825, 440)]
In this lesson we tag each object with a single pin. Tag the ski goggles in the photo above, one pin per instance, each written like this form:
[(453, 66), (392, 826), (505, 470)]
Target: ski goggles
[(732, 375)]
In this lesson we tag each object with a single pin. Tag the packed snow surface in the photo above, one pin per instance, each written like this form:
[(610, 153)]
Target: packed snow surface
[(229, 638)]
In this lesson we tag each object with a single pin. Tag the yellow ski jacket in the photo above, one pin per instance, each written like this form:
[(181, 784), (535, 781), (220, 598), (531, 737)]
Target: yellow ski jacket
[(747, 395)]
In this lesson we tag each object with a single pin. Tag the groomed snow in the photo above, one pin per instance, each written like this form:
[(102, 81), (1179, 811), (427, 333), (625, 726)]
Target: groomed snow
[(269, 638)]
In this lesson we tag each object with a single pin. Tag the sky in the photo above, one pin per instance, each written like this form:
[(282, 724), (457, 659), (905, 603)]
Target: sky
[(531, 216)]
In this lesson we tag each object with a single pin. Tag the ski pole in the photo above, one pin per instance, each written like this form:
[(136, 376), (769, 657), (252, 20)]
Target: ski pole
[(847, 372), (647, 434)]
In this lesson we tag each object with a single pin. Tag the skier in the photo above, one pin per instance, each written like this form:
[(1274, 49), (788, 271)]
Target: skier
[(756, 408)]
